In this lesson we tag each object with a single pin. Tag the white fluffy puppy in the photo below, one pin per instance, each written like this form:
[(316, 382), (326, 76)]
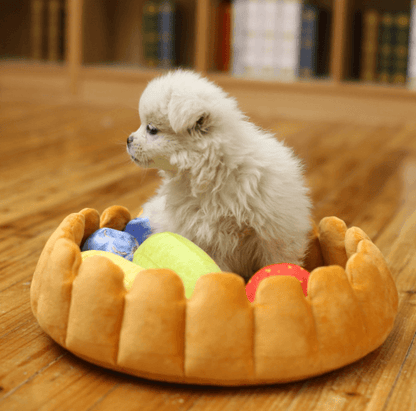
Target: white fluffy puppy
[(231, 188)]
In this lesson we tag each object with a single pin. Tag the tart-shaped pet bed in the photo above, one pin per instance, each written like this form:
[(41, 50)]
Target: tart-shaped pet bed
[(217, 337)]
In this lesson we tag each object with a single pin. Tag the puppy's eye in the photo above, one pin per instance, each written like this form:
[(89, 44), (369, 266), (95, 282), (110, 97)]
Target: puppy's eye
[(151, 130)]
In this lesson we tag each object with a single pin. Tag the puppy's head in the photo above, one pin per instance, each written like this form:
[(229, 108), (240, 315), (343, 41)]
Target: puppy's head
[(182, 116)]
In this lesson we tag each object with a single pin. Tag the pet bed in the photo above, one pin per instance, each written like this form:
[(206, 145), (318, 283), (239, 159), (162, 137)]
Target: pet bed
[(217, 337)]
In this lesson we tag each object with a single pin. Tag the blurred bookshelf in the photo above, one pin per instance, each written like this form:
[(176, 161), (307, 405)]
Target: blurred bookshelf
[(313, 46)]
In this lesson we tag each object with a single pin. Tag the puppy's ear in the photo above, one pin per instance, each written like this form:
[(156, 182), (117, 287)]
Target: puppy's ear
[(187, 113)]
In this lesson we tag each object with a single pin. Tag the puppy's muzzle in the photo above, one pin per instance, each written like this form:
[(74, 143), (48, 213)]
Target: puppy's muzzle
[(130, 139), (131, 146)]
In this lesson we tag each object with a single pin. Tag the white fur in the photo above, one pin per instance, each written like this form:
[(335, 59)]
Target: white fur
[(231, 188)]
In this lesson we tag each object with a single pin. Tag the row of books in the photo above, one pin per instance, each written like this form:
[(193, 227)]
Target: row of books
[(384, 48), (162, 26), (278, 39), (159, 31), (281, 39), (285, 40), (48, 29)]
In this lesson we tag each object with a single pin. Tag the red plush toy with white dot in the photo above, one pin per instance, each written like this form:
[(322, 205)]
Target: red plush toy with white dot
[(277, 269)]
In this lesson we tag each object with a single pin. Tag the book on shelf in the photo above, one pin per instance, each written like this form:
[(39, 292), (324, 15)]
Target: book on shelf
[(223, 40), (273, 37), (253, 50), (239, 20), (166, 32), (411, 61), (257, 37), (385, 55), (384, 48), (307, 64), (158, 28), (37, 28), (292, 16), (371, 21), (393, 45), (151, 33), (401, 23)]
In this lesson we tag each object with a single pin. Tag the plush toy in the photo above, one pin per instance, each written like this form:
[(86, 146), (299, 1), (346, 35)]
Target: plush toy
[(117, 233), (130, 270), (277, 269), (115, 217), (169, 250), (139, 228), (114, 241)]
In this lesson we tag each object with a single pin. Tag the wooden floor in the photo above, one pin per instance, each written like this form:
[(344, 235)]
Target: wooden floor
[(56, 159)]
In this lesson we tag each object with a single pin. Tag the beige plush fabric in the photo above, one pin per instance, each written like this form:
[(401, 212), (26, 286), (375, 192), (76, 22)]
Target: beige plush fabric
[(216, 337)]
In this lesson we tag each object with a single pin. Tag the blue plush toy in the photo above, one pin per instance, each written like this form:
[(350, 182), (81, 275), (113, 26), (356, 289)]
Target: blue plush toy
[(139, 228), (122, 243)]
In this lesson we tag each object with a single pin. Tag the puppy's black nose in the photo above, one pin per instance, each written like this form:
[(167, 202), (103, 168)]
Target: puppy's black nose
[(130, 139)]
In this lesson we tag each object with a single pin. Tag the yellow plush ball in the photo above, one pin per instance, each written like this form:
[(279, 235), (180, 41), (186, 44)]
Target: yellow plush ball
[(177, 253), (130, 269)]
